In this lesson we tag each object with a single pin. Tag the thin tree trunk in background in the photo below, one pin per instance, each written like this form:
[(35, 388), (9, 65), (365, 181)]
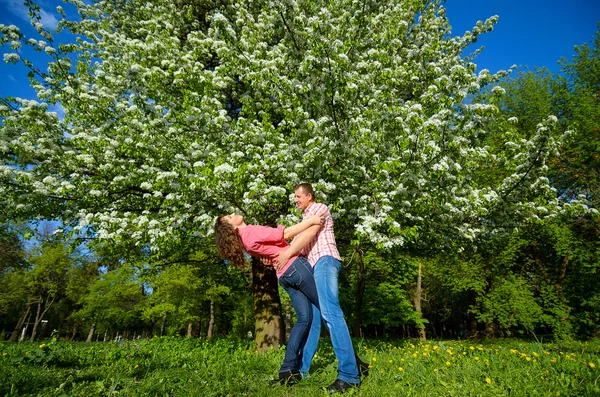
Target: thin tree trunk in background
[(36, 321), (189, 330), (269, 329), (91, 333), (359, 293), (287, 319), (162, 326), (39, 316), (15, 335), (417, 301), (211, 322)]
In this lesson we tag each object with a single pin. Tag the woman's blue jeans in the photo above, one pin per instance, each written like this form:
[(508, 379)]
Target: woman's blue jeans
[(299, 282), (326, 273)]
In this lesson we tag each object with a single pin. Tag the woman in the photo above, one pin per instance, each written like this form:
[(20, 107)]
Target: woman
[(233, 237)]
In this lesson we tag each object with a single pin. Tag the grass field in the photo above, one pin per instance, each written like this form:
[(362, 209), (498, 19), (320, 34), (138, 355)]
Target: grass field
[(227, 367)]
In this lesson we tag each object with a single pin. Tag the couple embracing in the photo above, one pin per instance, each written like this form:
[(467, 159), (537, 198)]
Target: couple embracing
[(308, 270)]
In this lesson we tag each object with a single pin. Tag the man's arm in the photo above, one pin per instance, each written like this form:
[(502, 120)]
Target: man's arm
[(299, 242)]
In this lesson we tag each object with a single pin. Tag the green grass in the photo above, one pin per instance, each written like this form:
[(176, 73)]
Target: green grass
[(222, 367)]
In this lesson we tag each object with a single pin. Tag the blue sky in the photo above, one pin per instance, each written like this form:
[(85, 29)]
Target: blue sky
[(528, 33)]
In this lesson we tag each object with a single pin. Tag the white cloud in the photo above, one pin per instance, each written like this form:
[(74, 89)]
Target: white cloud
[(48, 20), (17, 8), (59, 109), (11, 77)]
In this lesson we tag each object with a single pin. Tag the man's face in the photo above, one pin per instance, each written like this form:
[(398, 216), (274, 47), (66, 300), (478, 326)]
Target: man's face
[(302, 199)]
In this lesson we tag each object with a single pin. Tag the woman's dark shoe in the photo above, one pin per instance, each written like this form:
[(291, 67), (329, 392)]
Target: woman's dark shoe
[(340, 386), (287, 378)]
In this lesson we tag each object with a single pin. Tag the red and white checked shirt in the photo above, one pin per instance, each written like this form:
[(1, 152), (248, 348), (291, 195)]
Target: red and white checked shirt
[(324, 242)]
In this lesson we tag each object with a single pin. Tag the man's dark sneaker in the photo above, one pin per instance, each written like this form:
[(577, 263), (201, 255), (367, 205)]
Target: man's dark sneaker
[(287, 378), (363, 367), (340, 386)]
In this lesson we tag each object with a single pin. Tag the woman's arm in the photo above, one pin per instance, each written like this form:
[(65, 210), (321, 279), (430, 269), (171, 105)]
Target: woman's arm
[(292, 231)]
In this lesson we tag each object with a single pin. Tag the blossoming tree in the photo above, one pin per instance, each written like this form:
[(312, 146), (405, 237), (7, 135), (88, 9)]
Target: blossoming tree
[(178, 110)]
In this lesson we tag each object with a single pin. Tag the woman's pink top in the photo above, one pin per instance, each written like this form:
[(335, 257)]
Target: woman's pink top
[(266, 241)]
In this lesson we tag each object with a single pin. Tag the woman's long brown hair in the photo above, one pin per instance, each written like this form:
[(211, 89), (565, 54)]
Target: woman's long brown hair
[(229, 242)]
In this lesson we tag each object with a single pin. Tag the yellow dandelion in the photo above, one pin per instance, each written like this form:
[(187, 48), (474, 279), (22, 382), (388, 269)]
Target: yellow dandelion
[(592, 365), (476, 358), (535, 354), (464, 353), (435, 370), (513, 351), (400, 369), (528, 358), (436, 347), (391, 361), (42, 345), (471, 347), (414, 355), (448, 363), (424, 354), (488, 380), (411, 345), (374, 359), (553, 360), (449, 351), (480, 348)]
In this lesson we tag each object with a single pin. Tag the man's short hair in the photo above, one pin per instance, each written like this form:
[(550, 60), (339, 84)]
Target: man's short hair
[(306, 188)]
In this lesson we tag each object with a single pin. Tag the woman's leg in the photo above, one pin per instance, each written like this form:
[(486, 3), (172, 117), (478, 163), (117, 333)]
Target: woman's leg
[(294, 281)]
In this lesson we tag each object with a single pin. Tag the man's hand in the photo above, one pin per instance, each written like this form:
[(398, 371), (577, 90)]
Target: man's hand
[(317, 219), (281, 259)]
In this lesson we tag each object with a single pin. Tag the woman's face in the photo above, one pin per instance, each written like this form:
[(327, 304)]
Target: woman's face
[(234, 219)]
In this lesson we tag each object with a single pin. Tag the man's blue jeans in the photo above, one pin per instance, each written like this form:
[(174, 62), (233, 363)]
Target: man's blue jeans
[(299, 283), (326, 273)]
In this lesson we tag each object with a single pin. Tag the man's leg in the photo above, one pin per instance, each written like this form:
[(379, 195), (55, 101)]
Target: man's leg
[(327, 271)]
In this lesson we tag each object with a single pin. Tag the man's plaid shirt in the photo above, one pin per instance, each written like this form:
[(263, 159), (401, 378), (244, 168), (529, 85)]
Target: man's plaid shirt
[(324, 242)]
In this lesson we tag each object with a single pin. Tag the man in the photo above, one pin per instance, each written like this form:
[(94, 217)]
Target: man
[(322, 253)]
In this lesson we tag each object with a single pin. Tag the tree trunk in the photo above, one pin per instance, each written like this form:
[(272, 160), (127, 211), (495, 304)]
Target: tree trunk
[(269, 329), (36, 321), (162, 326), (15, 335), (287, 319), (39, 316), (211, 322), (189, 330), (359, 293), (417, 301), (91, 333)]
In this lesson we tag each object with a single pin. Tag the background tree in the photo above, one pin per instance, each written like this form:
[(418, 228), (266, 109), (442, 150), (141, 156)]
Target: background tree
[(176, 111)]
